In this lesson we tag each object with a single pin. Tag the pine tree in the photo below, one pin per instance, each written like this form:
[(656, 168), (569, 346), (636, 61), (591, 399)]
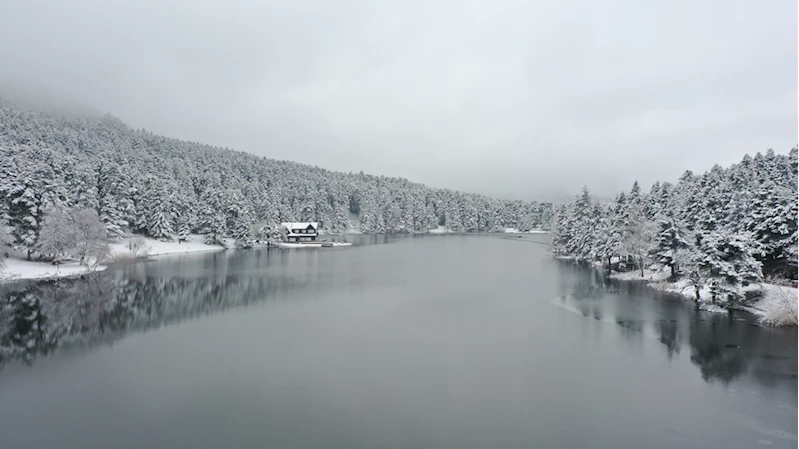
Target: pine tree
[(727, 263), (605, 242), (111, 200), (159, 216), (242, 233), (669, 240), (774, 224), (183, 230), (582, 222)]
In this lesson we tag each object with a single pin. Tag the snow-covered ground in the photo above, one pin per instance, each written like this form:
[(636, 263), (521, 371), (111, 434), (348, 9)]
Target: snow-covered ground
[(310, 245), (16, 268), (517, 231), (194, 243), (777, 305), (439, 230), (649, 275)]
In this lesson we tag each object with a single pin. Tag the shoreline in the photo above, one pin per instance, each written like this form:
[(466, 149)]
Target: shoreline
[(17, 269), (772, 299)]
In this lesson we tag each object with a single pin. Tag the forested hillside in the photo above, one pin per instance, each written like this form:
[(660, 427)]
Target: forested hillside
[(717, 231), (164, 188)]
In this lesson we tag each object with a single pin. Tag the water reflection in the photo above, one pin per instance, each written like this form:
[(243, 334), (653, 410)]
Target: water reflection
[(724, 347), (38, 318)]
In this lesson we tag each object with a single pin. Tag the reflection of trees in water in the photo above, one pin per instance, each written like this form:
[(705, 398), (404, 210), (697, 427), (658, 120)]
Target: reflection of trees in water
[(710, 353), (671, 337), (36, 319), (723, 347), (581, 282), (726, 346)]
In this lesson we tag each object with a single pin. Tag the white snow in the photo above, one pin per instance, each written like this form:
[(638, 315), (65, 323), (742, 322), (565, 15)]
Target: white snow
[(635, 275), (310, 245), (510, 230), (299, 225), (778, 305), (537, 231), (439, 230), (16, 269), (194, 243), (299, 245)]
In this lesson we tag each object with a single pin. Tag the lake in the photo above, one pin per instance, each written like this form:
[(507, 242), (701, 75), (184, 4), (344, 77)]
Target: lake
[(398, 342)]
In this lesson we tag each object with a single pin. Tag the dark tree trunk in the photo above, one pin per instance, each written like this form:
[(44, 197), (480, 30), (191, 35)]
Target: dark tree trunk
[(609, 266)]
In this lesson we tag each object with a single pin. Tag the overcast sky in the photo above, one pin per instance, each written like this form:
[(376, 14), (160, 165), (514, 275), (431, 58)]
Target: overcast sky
[(519, 99)]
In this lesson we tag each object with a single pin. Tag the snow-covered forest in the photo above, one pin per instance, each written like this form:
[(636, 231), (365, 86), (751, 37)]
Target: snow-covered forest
[(138, 182), (715, 233)]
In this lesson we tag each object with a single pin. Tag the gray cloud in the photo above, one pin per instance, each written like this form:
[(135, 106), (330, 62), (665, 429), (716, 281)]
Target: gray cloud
[(516, 99)]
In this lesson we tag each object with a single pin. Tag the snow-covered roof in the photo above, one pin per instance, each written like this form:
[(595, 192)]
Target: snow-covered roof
[(300, 225)]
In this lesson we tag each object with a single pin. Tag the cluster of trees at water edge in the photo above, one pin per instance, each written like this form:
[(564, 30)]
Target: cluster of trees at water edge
[(721, 230)]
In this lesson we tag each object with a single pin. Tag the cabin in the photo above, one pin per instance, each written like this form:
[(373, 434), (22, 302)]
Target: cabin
[(299, 232)]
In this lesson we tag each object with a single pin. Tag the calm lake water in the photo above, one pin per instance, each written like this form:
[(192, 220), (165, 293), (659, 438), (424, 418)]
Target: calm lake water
[(407, 342)]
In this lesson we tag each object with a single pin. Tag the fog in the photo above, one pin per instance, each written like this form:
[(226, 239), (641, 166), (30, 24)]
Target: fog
[(515, 99)]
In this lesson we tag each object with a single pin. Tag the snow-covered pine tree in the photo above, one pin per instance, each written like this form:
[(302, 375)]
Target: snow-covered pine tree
[(605, 244), (582, 223), (26, 201), (563, 231), (111, 201), (159, 217), (183, 230), (241, 231), (669, 241), (774, 224), (214, 226), (726, 263)]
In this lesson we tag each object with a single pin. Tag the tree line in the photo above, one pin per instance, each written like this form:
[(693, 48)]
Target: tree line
[(721, 230), (139, 182)]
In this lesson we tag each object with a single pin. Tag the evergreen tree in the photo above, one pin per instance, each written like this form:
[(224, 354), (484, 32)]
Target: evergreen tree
[(111, 200), (669, 241), (159, 217), (774, 224), (727, 263)]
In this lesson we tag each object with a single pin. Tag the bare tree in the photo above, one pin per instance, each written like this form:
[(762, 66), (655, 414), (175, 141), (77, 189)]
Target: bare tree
[(138, 247), (91, 239), (779, 307), (57, 237), (638, 237)]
